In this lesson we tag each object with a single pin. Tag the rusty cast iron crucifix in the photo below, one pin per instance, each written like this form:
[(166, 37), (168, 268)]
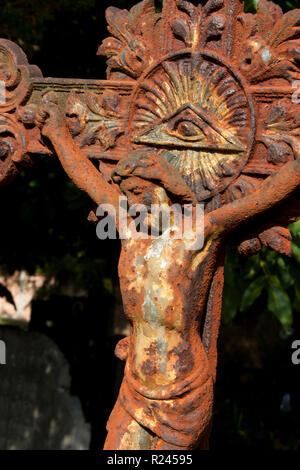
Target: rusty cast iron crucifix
[(199, 106)]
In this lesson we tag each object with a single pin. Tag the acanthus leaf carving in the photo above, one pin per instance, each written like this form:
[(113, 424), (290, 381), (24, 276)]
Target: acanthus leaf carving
[(281, 132), (91, 121), (191, 20), (271, 44), (131, 48)]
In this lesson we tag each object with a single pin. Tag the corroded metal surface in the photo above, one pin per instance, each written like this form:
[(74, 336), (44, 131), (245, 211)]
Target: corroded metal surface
[(199, 106)]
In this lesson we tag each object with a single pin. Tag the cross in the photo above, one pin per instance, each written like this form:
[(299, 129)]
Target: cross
[(200, 107)]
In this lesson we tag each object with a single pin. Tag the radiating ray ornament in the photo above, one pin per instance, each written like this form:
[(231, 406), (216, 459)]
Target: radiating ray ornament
[(194, 107), (200, 105)]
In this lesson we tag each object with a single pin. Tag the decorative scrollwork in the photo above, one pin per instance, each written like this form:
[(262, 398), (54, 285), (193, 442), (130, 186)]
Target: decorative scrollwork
[(12, 147), (15, 75)]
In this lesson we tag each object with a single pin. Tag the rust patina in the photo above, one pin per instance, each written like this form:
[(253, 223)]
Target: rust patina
[(199, 106)]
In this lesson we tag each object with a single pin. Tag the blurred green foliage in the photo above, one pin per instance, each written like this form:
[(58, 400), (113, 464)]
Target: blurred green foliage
[(268, 274), (251, 5)]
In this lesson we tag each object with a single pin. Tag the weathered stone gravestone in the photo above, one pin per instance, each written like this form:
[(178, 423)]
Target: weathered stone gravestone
[(37, 410), (200, 106), (2, 352)]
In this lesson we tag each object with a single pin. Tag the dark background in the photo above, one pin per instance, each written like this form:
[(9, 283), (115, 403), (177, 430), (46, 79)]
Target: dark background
[(44, 229)]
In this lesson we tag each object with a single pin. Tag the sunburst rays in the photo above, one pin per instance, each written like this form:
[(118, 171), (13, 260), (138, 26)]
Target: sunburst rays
[(211, 88)]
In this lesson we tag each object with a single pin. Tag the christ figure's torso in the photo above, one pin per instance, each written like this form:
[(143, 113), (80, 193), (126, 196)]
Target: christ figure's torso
[(164, 289)]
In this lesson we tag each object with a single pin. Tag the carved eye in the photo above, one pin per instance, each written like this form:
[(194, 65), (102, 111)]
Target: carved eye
[(187, 130)]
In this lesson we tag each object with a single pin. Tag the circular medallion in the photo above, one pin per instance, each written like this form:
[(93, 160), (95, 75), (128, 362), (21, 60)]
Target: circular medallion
[(195, 111)]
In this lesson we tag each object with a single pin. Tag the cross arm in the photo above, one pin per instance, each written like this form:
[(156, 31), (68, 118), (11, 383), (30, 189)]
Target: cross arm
[(91, 109)]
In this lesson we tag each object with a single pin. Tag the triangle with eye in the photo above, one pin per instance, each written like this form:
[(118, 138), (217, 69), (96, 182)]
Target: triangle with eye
[(190, 127)]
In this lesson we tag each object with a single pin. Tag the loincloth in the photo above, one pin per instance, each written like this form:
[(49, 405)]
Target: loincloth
[(178, 414)]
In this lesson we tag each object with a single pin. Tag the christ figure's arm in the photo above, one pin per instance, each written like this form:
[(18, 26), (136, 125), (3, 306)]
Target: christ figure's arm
[(274, 190), (77, 166)]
